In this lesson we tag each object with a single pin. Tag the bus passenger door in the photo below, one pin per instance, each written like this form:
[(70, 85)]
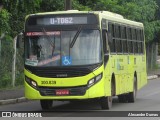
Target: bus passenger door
[(106, 63)]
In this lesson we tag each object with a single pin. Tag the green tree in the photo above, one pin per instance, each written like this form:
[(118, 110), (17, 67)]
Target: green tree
[(18, 10), (139, 10), (51, 5), (58, 5), (4, 19), (6, 49)]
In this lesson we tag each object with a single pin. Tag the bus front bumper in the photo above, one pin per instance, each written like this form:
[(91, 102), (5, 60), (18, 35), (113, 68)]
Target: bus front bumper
[(81, 92)]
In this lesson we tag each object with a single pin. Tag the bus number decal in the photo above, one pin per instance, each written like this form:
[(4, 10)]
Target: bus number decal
[(48, 82)]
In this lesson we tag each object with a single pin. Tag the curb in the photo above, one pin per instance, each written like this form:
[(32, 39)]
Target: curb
[(152, 77), (13, 101)]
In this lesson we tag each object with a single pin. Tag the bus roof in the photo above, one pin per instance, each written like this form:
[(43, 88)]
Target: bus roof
[(114, 17)]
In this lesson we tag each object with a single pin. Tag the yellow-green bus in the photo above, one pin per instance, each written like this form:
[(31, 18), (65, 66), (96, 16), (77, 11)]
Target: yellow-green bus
[(78, 55)]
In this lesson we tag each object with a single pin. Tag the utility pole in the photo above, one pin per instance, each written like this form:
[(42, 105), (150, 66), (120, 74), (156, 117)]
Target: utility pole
[(14, 62), (68, 4), (14, 58)]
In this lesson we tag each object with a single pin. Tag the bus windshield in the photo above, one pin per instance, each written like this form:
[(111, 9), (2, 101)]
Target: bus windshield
[(53, 48)]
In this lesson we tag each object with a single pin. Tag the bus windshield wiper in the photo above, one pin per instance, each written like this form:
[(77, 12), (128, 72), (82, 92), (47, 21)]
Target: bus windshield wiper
[(50, 40), (75, 37)]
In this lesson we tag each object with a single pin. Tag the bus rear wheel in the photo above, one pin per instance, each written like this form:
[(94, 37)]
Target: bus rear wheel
[(122, 98), (46, 104), (132, 95)]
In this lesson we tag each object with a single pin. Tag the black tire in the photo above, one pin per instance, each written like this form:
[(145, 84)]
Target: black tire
[(106, 103), (132, 95), (122, 98), (46, 104), (74, 101)]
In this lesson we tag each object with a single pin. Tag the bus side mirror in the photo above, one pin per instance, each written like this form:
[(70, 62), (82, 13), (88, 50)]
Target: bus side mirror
[(106, 57), (20, 40)]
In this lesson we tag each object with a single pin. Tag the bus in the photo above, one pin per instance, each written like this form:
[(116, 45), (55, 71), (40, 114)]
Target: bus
[(83, 55)]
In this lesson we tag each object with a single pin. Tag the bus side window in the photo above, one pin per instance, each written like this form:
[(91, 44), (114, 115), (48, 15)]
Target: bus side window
[(139, 48), (142, 47), (111, 36), (135, 42), (141, 35), (129, 39), (124, 39), (138, 35), (129, 34), (142, 40), (105, 38), (118, 39)]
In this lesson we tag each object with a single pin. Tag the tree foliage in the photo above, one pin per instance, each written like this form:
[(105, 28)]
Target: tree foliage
[(138, 10), (5, 55), (4, 19)]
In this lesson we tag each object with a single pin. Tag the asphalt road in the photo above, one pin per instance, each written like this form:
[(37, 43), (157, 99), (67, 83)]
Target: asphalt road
[(148, 99)]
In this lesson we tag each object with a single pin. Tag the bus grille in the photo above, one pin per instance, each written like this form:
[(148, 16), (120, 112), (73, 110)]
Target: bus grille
[(49, 91), (59, 72)]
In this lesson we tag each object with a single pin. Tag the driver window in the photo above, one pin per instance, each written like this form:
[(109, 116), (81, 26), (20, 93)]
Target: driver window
[(105, 39)]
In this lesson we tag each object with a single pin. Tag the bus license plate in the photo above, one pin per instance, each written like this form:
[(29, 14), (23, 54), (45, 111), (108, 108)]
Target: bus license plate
[(62, 92)]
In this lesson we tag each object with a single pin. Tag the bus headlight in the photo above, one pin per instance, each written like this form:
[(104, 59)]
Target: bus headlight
[(91, 82), (94, 80), (34, 83), (31, 82)]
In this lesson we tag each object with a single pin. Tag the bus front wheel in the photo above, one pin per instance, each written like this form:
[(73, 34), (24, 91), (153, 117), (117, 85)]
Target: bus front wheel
[(106, 102), (46, 104)]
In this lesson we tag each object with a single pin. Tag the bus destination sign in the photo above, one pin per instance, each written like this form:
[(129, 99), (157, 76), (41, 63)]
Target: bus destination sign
[(61, 20)]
